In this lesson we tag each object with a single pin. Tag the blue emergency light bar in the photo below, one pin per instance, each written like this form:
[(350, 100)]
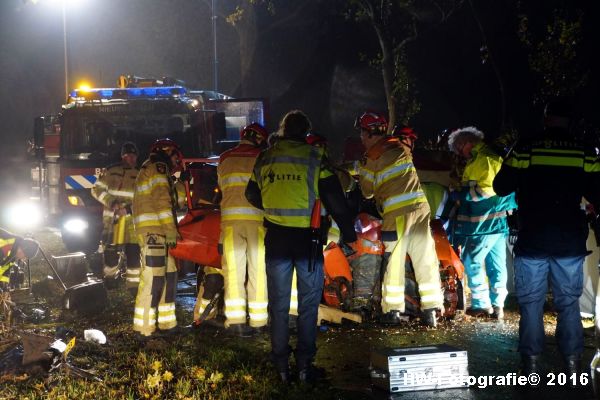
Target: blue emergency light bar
[(127, 93)]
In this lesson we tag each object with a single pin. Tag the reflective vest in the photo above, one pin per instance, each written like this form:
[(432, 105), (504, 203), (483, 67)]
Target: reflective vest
[(115, 185), (481, 211), (287, 175), (154, 200), (234, 171), (7, 242), (388, 174)]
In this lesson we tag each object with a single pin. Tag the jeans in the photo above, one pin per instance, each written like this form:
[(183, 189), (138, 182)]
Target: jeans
[(531, 285), (488, 250), (286, 249)]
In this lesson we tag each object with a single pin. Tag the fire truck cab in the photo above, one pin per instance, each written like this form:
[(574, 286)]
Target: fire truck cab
[(73, 147)]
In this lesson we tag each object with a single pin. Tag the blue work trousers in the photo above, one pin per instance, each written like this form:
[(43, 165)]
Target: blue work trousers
[(485, 255), (531, 285), (286, 249)]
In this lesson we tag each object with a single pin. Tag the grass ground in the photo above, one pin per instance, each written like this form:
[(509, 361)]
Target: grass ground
[(196, 364)]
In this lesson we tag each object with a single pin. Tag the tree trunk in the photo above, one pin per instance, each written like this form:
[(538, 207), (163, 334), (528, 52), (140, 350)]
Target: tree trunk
[(387, 70)]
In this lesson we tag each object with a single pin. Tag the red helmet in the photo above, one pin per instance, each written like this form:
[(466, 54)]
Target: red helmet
[(402, 131), (253, 132), (314, 139), (373, 122), (169, 147)]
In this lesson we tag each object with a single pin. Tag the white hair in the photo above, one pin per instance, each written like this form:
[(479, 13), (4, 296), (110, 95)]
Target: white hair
[(463, 135)]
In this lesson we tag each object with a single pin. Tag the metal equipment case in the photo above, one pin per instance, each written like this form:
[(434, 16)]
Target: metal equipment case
[(419, 368)]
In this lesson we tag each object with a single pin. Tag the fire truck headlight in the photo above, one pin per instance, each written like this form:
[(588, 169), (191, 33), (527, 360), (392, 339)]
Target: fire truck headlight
[(24, 215), (75, 225), (75, 200)]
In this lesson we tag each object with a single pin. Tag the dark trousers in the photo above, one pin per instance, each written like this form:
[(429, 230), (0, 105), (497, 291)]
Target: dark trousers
[(286, 249), (531, 285)]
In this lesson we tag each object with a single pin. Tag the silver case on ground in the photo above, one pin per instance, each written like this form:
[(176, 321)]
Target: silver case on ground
[(407, 369)]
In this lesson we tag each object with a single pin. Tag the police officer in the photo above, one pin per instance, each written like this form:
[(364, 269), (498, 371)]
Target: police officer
[(387, 174), (481, 223), (550, 173), (114, 189), (288, 179), (154, 202), (242, 236)]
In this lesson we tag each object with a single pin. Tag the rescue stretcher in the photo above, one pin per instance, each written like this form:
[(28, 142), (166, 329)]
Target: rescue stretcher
[(200, 229)]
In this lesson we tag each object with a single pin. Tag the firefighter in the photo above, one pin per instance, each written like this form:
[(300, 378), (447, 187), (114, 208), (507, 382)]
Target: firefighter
[(13, 248), (287, 180), (387, 174), (154, 202), (242, 236), (550, 173), (433, 174), (114, 189), (481, 225), (333, 231)]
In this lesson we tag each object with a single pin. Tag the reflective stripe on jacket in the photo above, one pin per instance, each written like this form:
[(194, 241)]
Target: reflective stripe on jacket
[(234, 171), (550, 173), (115, 185), (7, 242), (287, 175), (481, 211), (388, 174), (154, 200)]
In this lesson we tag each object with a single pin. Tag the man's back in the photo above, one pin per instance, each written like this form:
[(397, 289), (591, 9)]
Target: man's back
[(550, 174)]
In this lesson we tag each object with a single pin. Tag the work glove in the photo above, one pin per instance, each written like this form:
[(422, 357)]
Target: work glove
[(171, 239), (348, 248), (185, 176)]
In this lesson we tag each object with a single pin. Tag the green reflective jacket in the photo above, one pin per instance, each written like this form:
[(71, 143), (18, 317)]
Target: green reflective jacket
[(288, 175)]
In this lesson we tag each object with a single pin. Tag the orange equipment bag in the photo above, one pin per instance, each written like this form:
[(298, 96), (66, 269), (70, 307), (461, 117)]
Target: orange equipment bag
[(199, 229), (337, 291)]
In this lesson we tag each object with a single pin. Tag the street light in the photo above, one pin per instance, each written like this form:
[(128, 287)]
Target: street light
[(64, 21), (63, 4)]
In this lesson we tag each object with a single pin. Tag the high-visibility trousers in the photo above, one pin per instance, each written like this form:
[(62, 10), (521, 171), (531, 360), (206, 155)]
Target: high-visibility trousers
[(155, 301), (123, 242), (484, 257), (414, 237), (244, 272), (212, 284)]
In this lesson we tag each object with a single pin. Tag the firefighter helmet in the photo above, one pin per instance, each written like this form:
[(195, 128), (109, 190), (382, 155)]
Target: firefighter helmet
[(406, 135), (373, 122), (255, 133), (403, 131), (128, 148), (314, 139), (169, 148)]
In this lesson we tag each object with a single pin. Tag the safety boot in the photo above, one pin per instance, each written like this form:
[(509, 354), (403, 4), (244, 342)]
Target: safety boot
[(532, 364), (429, 317), (572, 368), (393, 317), (241, 330), (479, 312), (310, 374)]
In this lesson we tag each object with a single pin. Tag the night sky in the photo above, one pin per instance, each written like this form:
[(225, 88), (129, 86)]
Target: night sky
[(306, 56)]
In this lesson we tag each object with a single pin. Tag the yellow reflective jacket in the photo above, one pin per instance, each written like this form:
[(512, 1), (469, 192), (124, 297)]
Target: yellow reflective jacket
[(7, 243), (287, 175), (155, 199), (115, 185), (234, 171), (388, 174)]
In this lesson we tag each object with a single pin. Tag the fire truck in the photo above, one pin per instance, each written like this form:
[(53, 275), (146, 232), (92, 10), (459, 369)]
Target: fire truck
[(72, 147)]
